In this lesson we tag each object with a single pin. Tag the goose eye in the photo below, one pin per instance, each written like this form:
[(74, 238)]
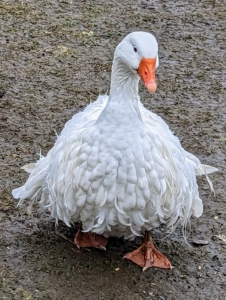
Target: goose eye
[(134, 49)]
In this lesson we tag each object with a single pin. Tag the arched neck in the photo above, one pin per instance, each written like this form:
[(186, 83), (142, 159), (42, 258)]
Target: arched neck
[(124, 83), (123, 103)]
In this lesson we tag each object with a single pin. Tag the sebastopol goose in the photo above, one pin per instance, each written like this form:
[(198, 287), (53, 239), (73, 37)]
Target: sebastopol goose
[(116, 167)]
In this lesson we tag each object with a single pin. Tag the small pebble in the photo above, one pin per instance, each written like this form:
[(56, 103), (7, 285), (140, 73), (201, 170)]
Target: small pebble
[(200, 242)]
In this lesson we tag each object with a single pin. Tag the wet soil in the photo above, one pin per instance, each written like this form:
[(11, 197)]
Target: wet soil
[(55, 59)]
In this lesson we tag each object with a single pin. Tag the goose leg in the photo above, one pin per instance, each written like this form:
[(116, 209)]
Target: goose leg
[(90, 239), (147, 256)]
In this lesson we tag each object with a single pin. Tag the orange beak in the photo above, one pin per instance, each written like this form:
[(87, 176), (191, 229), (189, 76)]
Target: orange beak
[(146, 71)]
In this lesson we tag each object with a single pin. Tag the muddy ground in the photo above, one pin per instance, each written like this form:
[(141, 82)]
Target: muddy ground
[(56, 58)]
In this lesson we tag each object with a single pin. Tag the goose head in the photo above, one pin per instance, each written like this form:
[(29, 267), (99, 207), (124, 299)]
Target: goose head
[(138, 54)]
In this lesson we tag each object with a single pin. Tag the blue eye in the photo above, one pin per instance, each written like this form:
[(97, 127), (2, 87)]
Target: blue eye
[(134, 49)]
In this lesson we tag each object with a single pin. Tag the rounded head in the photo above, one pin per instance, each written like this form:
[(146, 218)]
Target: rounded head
[(138, 51)]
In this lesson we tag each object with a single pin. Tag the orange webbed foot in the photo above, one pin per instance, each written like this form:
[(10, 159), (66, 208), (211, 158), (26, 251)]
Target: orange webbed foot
[(90, 239), (147, 256)]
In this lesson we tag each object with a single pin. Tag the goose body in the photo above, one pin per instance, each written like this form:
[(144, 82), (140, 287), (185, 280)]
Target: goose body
[(116, 166)]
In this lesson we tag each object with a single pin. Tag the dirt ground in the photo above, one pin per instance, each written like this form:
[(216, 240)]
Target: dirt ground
[(56, 58)]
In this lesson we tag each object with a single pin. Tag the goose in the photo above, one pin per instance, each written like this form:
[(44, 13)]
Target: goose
[(116, 167)]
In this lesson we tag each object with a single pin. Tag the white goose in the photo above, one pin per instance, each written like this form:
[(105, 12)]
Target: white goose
[(116, 166)]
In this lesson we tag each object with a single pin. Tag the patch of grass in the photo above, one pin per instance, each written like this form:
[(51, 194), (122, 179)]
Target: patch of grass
[(223, 139)]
